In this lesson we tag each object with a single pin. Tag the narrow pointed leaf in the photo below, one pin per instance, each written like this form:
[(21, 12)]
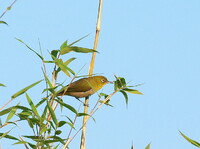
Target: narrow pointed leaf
[(2, 85), (52, 114), (8, 136), (66, 63), (125, 96), (76, 49), (3, 112), (67, 106), (190, 140), (82, 114), (54, 53), (40, 102), (78, 40), (24, 89), (148, 146), (132, 147), (4, 134), (62, 66), (63, 45), (11, 114), (30, 49), (43, 117), (32, 106), (132, 91), (3, 22)]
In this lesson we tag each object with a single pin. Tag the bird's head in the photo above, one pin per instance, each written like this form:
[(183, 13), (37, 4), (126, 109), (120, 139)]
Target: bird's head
[(100, 81)]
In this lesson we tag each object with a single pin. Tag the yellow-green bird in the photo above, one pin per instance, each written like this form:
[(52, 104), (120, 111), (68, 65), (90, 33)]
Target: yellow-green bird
[(84, 87)]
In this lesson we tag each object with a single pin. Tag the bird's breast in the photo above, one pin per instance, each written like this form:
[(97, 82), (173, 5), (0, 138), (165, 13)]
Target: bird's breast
[(81, 94)]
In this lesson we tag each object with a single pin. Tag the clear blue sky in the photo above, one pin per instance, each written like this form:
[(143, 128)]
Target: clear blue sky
[(146, 41)]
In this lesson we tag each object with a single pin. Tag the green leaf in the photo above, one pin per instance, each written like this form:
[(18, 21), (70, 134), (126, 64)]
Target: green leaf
[(67, 106), (32, 106), (40, 102), (132, 146), (4, 134), (30, 49), (67, 63), (55, 139), (25, 89), (11, 114), (58, 132), (106, 103), (82, 114), (8, 136), (51, 111), (3, 112), (195, 143), (78, 40), (63, 45), (61, 123), (76, 49), (52, 88), (2, 85), (54, 53), (63, 67), (148, 146), (3, 22), (43, 117), (125, 96), (132, 91)]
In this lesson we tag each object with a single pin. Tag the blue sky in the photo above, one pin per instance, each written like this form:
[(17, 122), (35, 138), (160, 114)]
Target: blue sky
[(148, 41)]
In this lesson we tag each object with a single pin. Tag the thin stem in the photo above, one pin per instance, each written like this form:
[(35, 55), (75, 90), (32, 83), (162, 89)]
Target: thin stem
[(91, 68), (91, 114), (8, 8)]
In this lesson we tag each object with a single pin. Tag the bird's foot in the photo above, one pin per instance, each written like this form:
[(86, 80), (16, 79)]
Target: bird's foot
[(85, 105)]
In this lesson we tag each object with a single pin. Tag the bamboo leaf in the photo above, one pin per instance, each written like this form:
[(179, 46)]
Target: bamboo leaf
[(25, 89), (132, 147), (51, 111), (43, 117), (67, 63), (58, 132), (132, 91), (4, 134), (11, 114), (3, 112), (3, 22), (2, 85), (125, 96), (78, 40), (40, 102), (63, 67), (148, 146), (32, 106), (54, 53), (63, 45), (67, 106), (76, 49), (82, 114), (8, 136), (30, 48), (195, 143)]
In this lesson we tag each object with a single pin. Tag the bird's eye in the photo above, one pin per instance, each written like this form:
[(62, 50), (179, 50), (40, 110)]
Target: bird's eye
[(102, 80)]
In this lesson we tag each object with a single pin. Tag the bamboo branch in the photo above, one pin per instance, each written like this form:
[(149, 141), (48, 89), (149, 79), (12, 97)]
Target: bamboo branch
[(91, 68), (8, 9)]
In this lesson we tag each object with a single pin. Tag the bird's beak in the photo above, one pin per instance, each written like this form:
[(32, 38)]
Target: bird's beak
[(109, 82)]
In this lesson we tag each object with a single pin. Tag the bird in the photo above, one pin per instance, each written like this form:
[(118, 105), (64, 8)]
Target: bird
[(84, 87)]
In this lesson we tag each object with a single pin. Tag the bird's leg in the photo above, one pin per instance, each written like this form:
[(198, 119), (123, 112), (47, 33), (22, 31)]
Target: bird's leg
[(83, 102)]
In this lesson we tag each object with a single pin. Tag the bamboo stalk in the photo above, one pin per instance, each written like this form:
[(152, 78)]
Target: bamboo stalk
[(91, 68)]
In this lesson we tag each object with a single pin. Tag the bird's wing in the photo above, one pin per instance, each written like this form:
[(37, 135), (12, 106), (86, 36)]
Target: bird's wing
[(79, 86)]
